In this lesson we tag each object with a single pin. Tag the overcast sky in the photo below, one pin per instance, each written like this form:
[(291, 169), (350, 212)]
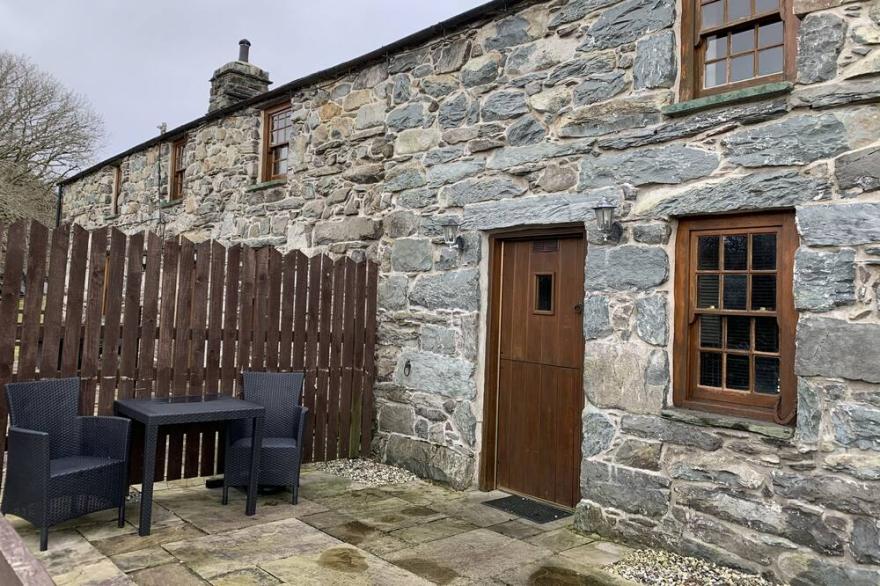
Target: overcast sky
[(143, 62)]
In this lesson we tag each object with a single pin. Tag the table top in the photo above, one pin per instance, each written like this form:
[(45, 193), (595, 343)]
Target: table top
[(188, 409)]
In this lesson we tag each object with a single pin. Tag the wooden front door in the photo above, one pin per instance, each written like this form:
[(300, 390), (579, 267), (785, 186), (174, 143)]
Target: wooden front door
[(540, 294)]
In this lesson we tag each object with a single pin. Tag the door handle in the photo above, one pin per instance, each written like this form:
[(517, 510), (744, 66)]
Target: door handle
[(579, 307)]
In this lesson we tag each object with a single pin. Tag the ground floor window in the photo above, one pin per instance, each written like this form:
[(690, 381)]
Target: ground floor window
[(734, 315)]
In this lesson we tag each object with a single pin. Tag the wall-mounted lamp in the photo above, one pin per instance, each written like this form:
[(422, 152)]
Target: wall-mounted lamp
[(605, 214), (451, 237)]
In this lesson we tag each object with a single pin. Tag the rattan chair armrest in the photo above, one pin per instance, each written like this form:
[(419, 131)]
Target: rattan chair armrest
[(28, 453), (301, 425)]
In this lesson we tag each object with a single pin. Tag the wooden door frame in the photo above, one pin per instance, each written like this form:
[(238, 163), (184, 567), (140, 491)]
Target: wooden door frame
[(488, 449)]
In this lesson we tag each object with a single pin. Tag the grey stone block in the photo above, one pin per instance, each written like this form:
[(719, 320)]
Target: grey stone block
[(435, 374), (411, 254), (838, 349), (651, 233), (525, 130), (392, 291), (856, 425), (652, 320), (598, 87), (452, 290), (672, 164), (793, 141), (655, 63), (598, 432), (840, 225), (625, 268), (430, 461), (628, 21), (824, 280), (859, 169), (347, 230), (758, 191), (597, 323), (657, 428), (503, 105), (582, 67), (820, 40), (485, 189)]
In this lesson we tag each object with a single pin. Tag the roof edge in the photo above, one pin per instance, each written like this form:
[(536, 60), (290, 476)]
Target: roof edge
[(422, 36)]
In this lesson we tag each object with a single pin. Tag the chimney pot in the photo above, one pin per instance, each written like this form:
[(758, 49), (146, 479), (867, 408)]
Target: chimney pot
[(244, 46)]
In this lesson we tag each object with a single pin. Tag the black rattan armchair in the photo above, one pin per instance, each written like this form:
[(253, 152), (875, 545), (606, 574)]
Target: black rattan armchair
[(285, 424), (61, 466)]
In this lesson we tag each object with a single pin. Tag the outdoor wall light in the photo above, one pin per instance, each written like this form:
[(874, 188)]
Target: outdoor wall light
[(451, 237), (605, 214)]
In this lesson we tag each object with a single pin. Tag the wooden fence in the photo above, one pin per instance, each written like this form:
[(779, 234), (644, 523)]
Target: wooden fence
[(139, 316)]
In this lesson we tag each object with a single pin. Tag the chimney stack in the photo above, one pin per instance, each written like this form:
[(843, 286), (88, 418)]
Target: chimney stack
[(237, 80)]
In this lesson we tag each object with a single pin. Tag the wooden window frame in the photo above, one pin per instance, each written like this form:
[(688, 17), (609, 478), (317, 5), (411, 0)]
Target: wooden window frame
[(779, 408), (692, 53), (178, 172), (269, 147)]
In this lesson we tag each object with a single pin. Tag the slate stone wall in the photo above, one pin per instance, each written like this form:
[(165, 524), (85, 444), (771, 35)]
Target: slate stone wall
[(529, 118)]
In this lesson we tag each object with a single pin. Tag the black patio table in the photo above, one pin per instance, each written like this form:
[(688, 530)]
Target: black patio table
[(186, 409)]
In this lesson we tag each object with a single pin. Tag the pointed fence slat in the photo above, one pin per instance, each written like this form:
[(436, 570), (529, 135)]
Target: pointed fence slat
[(139, 316)]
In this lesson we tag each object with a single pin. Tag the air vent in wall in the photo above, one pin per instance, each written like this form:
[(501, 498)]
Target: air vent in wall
[(545, 246)]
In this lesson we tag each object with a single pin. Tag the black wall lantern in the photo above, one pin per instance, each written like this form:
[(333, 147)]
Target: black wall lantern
[(605, 214), (451, 237)]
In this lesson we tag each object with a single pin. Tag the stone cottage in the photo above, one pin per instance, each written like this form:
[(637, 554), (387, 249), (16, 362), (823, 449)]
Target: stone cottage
[(629, 250)]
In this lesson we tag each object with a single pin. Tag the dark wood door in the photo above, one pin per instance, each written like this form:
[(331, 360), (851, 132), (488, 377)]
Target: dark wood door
[(540, 367)]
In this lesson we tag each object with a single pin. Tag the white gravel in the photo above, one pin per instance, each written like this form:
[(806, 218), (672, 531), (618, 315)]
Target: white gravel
[(366, 472), (661, 568)]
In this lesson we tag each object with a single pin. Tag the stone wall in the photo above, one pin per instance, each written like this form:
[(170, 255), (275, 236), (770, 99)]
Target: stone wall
[(528, 118)]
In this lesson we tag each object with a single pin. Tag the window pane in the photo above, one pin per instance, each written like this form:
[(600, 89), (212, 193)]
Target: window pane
[(716, 47), (544, 292), (710, 331), (707, 291), (734, 292), (742, 41), (764, 252), (736, 252), (742, 68), (737, 9), (763, 292), (715, 74), (770, 34), (767, 375), (770, 61), (766, 334), (738, 333), (737, 372), (710, 369), (707, 253), (711, 14), (762, 6)]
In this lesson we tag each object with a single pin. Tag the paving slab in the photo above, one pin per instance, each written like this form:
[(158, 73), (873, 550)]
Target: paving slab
[(111, 546), (597, 553), (480, 553), (246, 577), (445, 527), (393, 519), (516, 529), (203, 509), (559, 539), (474, 513), (214, 555), (142, 558), (341, 565), (326, 519), (173, 574)]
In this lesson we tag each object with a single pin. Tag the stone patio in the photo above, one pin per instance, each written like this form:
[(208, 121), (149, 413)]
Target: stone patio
[(339, 533)]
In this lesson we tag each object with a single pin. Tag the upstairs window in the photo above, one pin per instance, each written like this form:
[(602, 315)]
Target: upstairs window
[(734, 315), (731, 44), (277, 129), (178, 168)]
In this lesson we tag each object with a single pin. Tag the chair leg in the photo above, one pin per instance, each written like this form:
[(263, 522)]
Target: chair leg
[(121, 519), (44, 538), (225, 499)]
